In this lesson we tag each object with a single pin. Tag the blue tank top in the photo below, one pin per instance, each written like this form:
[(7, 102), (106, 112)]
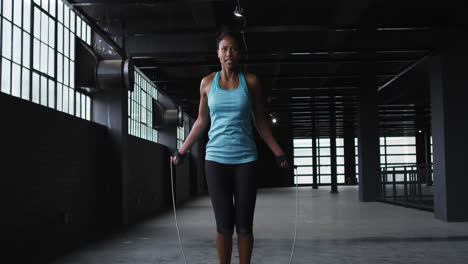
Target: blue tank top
[(231, 134)]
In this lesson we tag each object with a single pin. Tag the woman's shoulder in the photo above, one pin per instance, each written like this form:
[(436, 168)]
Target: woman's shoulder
[(207, 81), (250, 78)]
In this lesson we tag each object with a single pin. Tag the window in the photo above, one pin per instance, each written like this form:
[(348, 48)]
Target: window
[(397, 151), (303, 159), (42, 69), (140, 108), (180, 136)]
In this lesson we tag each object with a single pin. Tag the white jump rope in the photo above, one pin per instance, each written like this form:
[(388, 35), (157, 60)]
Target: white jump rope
[(177, 226)]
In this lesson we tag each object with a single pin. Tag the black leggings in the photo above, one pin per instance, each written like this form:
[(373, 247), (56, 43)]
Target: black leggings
[(228, 180)]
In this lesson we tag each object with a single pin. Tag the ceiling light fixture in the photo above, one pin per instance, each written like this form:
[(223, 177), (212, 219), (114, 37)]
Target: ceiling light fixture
[(238, 11)]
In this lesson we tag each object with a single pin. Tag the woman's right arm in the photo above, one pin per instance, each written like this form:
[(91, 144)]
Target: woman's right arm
[(202, 121)]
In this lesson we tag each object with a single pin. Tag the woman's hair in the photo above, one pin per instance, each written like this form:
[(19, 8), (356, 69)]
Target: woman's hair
[(228, 32)]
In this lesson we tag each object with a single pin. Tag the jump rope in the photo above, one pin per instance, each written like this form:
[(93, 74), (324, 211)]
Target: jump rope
[(177, 225)]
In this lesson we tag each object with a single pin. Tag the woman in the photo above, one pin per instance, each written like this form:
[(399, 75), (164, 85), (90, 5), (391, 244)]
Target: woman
[(230, 98)]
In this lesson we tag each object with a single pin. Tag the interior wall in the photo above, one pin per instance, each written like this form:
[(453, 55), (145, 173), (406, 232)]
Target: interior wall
[(53, 175)]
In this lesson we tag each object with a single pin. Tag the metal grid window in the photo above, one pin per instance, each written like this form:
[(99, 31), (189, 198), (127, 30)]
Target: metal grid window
[(397, 151), (42, 69), (180, 136), (303, 159), (140, 108)]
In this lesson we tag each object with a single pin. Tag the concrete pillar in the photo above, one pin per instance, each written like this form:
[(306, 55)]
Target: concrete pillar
[(368, 133), (314, 153), (450, 130), (333, 166), (349, 146), (421, 147)]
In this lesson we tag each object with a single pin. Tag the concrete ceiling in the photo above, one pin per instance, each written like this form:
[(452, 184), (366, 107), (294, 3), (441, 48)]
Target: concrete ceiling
[(303, 51)]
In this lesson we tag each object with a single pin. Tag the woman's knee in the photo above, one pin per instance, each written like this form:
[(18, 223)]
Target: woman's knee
[(225, 231), (244, 230)]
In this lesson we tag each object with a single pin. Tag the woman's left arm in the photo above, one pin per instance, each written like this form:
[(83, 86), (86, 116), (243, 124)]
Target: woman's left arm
[(260, 121)]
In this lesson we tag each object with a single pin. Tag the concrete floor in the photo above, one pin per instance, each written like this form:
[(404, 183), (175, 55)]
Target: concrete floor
[(332, 228)]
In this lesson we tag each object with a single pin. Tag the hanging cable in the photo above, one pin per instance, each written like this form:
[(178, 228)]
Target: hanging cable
[(175, 214)]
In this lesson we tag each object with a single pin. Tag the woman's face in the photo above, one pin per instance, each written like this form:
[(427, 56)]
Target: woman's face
[(228, 52)]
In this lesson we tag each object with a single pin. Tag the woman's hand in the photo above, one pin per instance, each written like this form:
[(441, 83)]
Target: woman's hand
[(282, 161), (177, 158)]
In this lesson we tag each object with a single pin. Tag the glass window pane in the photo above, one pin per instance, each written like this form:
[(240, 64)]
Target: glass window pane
[(324, 151), (25, 85), (52, 8), (324, 160), (17, 43), (88, 108), (51, 62), (324, 142), (382, 160), (302, 161), (302, 142), (44, 55), (83, 30), (304, 170), (51, 33), (339, 160), (72, 21), (382, 141), (66, 16), (401, 140), (35, 88), (340, 151), (16, 80), (17, 13), (27, 15), (78, 26), (303, 152), (340, 169), (37, 23), (382, 150), (44, 28), (72, 46), (78, 105), (7, 9), (325, 170), (66, 38), (26, 47), (60, 11), (303, 180), (339, 142), (59, 97), (71, 101), (325, 179), (404, 159), (51, 94), (36, 54), (44, 91), (66, 71), (59, 68), (6, 76), (88, 35), (341, 179), (6, 39), (65, 99), (60, 38), (401, 150), (83, 106), (45, 4), (72, 74)]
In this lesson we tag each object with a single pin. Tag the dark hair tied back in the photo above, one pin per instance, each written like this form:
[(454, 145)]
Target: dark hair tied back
[(226, 31)]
